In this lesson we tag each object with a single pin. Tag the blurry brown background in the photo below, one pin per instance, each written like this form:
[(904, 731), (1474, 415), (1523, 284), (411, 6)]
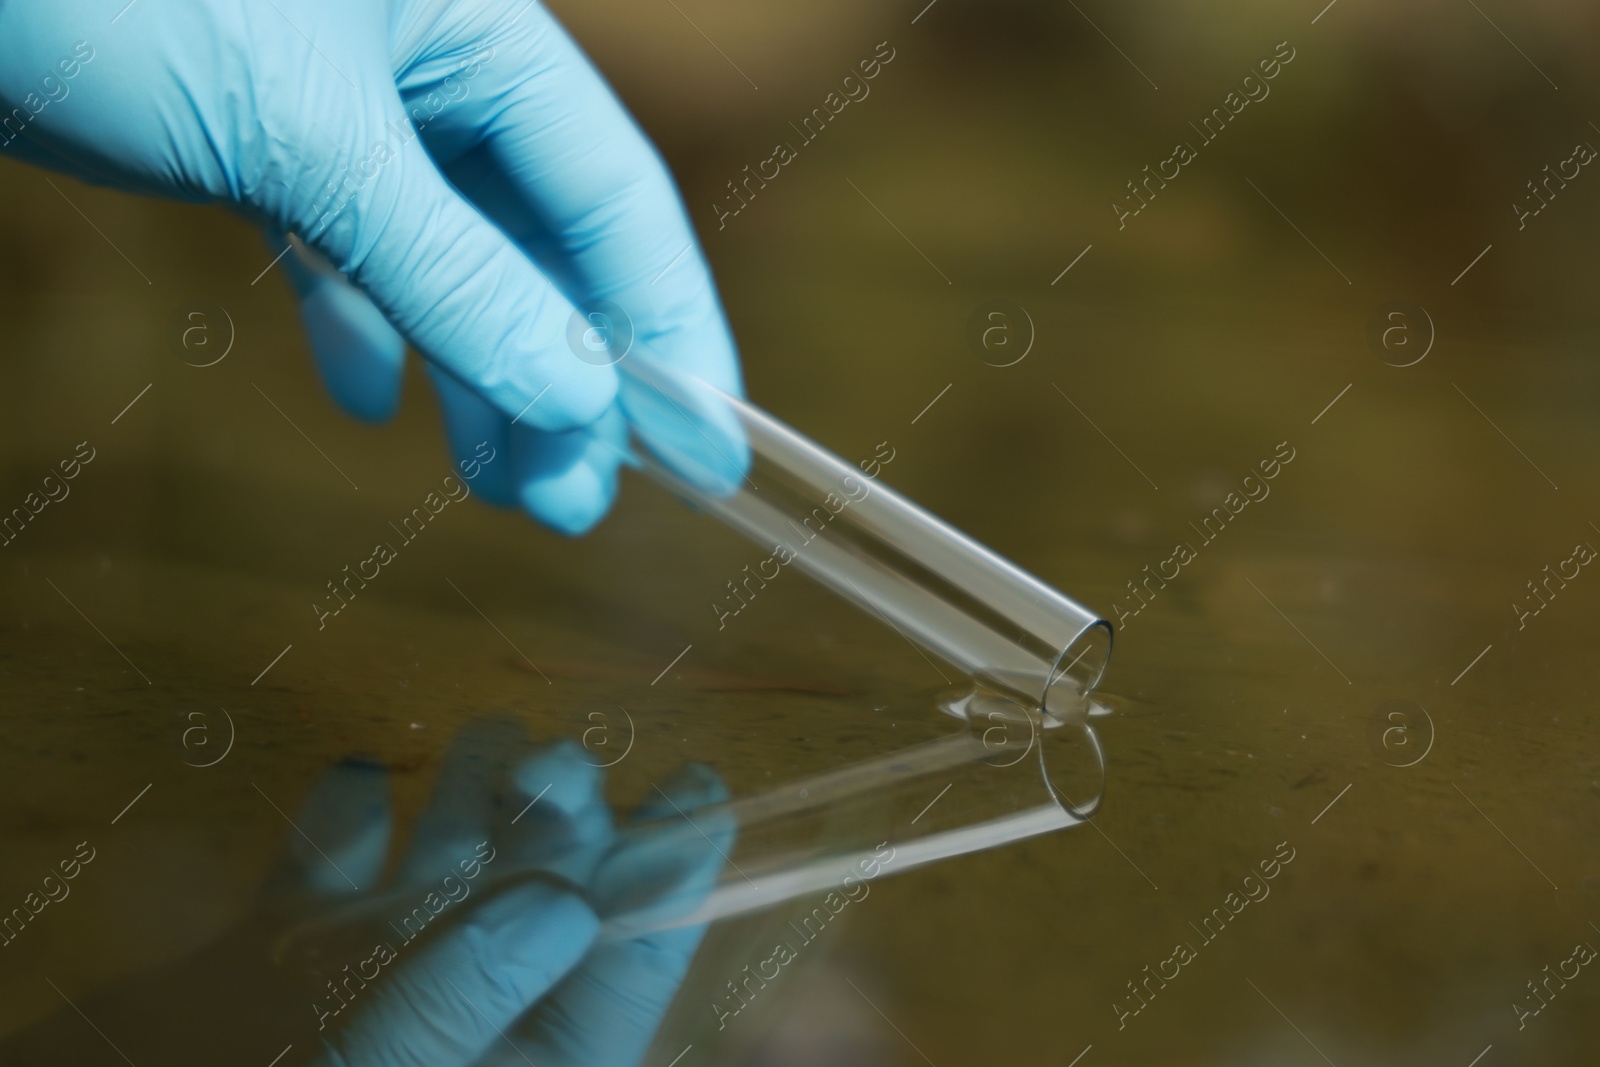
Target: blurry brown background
[(1196, 339)]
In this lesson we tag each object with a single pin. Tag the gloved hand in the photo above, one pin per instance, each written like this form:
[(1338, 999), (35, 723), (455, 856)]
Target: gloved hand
[(461, 168), (487, 925)]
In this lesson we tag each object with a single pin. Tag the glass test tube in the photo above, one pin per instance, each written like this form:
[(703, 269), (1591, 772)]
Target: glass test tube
[(973, 790), (945, 592)]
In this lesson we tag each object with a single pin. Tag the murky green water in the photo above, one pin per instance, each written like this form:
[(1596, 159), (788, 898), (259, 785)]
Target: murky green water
[(1252, 691)]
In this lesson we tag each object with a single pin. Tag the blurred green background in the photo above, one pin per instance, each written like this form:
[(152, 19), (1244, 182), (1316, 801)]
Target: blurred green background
[(1221, 321)]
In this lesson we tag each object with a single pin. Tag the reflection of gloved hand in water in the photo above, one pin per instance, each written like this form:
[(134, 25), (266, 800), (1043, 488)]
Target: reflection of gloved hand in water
[(461, 164), (520, 977), (481, 949)]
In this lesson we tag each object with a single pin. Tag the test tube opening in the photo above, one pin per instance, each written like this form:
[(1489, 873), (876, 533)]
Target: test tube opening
[(1077, 672)]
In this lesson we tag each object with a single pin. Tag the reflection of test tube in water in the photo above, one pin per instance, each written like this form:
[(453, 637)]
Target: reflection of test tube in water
[(993, 780), (987, 785), (1032, 656)]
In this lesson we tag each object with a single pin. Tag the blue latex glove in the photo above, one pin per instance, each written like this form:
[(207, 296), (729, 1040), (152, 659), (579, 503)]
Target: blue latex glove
[(461, 168)]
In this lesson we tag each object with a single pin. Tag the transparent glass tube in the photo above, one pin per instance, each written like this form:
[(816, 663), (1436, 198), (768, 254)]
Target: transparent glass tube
[(940, 589)]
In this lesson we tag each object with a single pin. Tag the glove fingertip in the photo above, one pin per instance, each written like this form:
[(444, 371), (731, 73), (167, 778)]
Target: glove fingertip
[(694, 785), (572, 501), (348, 814), (561, 776)]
